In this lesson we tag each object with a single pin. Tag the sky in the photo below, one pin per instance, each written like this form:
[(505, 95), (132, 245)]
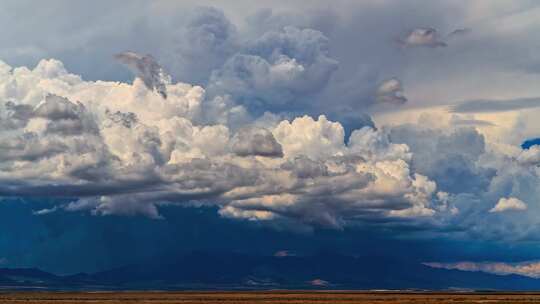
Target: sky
[(402, 129)]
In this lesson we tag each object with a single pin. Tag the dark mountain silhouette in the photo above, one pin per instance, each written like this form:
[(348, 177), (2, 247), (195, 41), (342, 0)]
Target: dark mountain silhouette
[(203, 270)]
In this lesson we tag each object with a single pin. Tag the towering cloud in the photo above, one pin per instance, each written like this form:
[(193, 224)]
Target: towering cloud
[(277, 69), (119, 149)]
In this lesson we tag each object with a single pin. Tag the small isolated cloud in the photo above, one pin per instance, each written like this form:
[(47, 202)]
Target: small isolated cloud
[(459, 32), (391, 91), (423, 37), (511, 203), (319, 283), (45, 211), (147, 69), (528, 269), (284, 254)]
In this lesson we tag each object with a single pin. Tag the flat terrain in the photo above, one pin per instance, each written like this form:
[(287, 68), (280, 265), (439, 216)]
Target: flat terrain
[(264, 297)]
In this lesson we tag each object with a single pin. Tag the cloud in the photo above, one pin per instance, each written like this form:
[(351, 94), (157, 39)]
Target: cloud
[(256, 141), (508, 204), (391, 91), (450, 158), (284, 254), (423, 37), (319, 283), (45, 211), (459, 32), (212, 39), (494, 106), (528, 269), (527, 144), (147, 69), (530, 156), (279, 67), (119, 149), (115, 148)]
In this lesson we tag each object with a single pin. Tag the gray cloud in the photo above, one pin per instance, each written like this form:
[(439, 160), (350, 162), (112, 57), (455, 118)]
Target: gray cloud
[(277, 68), (492, 106), (391, 91), (450, 159), (256, 141), (147, 69), (422, 37), (459, 32), (212, 38)]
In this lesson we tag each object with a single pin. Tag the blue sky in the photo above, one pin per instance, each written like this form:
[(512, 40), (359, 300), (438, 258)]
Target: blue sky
[(375, 128)]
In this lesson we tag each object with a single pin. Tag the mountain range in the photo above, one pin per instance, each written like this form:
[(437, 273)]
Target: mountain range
[(231, 271)]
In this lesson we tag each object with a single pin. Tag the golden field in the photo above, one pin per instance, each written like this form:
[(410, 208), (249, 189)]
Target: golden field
[(300, 297)]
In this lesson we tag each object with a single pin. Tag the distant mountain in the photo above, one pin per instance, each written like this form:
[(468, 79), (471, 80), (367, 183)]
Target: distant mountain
[(203, 270), (28, 277)]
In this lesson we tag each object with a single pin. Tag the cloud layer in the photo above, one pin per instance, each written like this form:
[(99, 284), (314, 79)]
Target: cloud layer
[(528, 269)]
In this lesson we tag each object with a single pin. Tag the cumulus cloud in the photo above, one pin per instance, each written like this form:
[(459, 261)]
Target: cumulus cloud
[(528, 269), (212, 38), (527, 144), (147, 69), (508, 204), (256, 141), (115, 148), (119, 149), (276, 69), (391, 91), (449, 157), (530, 157)]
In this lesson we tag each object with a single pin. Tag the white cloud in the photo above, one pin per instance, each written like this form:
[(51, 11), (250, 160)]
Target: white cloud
[(122, 149), (530, 157), (508, 204)]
